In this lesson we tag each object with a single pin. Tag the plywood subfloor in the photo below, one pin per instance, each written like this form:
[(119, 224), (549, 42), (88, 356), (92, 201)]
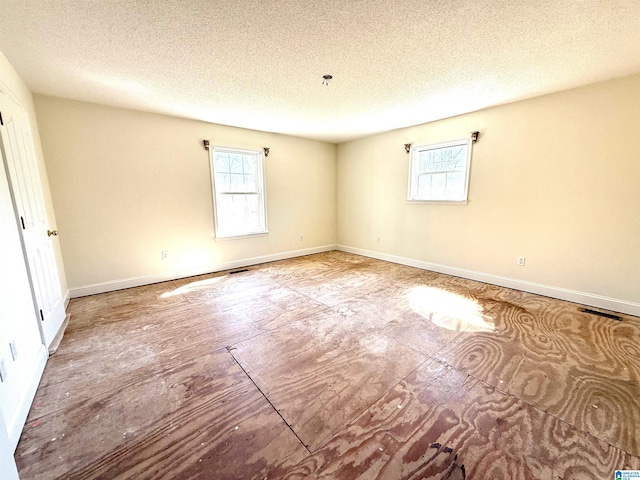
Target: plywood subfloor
[(335, 366)]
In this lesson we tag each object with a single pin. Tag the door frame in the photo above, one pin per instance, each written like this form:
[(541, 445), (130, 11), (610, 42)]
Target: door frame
[(38, 309)]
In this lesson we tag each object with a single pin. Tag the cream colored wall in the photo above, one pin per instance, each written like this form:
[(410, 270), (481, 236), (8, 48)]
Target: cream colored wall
[(127, 185), (555, 178)]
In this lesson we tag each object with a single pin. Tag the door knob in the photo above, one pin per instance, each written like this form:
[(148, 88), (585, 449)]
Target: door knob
[(52, 232)]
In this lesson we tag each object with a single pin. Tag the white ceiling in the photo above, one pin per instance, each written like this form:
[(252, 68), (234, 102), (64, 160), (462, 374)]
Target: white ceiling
[(259, 64)]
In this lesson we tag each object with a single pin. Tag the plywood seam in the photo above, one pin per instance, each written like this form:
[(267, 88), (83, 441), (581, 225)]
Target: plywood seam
[(544, 412), (268, 401)]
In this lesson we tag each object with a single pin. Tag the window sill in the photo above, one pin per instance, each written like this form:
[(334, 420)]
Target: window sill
[(240, 235), (437, 202)]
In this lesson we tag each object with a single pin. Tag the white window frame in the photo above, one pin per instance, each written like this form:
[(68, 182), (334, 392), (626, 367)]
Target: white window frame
[(412, 196), (261, 191)]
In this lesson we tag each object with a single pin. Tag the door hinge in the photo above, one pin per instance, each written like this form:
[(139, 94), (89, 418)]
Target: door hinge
[(41, 315), (22, 221), (1, 121)]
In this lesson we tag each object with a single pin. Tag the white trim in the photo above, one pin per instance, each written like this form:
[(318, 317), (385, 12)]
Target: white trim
[(163, 277), (261, 191), (224, 238), (67, 297), (412, 162), (584, 298), (16, 423), (438, 202), (4, 88), (8, 469)]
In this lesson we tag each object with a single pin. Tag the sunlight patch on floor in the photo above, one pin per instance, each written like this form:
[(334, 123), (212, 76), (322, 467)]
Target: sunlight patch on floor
[(450, 310), (193, 286)]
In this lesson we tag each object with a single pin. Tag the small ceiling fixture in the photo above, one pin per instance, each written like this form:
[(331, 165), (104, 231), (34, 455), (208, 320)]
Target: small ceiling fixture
[(326, 79)]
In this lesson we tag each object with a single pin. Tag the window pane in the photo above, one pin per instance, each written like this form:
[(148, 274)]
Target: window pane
[(455, 157), (423, 185), (222, 162), (437, 185), (237, 181), (455, 185), (249, 163), (235, 162), (250, 183), (238, 214), (223, 182), (442, 159)]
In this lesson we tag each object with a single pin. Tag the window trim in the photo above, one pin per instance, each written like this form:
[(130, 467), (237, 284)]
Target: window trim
[(261, 191), (414, 151)]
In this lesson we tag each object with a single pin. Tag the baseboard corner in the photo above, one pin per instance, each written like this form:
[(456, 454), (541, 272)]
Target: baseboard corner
[(109, 286), (560, 293)]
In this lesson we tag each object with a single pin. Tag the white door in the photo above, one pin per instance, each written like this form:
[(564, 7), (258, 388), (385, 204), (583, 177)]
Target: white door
[(19, 155)]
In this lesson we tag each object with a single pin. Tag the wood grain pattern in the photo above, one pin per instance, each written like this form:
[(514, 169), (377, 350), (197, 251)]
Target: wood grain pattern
[(174, 423), (335, 366), (437, 421), (343, 364), (575, 366)]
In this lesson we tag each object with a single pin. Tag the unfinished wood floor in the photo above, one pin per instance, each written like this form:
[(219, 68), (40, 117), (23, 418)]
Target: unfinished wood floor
[(335, 366)]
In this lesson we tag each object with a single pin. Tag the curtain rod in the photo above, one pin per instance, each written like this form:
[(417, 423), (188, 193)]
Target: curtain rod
[(206, 145)]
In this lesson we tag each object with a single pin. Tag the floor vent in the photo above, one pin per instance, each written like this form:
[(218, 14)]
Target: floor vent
[(601, 314), (239, 271)]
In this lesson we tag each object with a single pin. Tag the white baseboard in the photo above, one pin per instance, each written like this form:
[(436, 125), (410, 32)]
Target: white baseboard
[(16, 423), (67, 297), (163, 277), (8, 469), (593, 300)]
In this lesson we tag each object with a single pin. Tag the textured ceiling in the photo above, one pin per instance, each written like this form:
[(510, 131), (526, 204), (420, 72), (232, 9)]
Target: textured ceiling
[(259, 64)]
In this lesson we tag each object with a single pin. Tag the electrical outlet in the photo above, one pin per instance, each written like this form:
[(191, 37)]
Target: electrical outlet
[(3, 371), (521, 261), (165, 254), (301, 238), (378, 239), (14, 350)]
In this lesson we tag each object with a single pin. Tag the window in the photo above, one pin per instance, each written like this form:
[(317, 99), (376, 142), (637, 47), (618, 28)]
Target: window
[(238, 190), (440, 173)]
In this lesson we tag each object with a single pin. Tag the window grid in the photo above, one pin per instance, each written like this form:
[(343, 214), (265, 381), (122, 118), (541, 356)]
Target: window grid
[(439, 173), (239, 204)]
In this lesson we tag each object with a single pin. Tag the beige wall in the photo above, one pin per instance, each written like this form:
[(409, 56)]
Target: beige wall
[(127, 185), (555, 179)]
